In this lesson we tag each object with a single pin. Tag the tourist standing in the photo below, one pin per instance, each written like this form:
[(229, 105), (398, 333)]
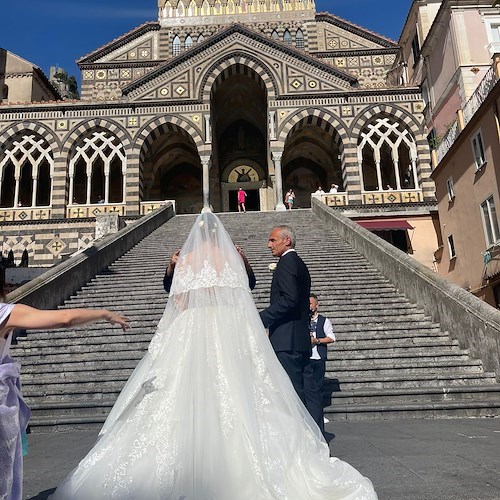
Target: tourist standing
[(241, 200)]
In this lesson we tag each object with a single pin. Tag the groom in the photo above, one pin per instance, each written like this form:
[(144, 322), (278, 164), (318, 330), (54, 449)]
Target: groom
[(287, 317)]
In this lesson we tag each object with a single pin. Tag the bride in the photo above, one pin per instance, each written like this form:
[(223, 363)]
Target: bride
[(209, 413)]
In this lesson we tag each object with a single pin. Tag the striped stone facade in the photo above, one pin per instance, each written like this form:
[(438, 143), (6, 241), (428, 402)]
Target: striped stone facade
[(240, 96)]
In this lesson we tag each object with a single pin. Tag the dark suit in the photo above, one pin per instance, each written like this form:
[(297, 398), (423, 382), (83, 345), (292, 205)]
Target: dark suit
[(287, 317)]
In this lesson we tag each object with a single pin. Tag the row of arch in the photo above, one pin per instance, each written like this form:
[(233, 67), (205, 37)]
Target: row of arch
[(186, 8), (97, 167), (185, 42)]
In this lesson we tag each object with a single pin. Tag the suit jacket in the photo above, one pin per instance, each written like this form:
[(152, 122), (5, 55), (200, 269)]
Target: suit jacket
[(287, 317)]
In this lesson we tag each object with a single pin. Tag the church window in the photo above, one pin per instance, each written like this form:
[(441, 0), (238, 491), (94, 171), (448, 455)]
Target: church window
[(191, 9), (188, 43), (97, 169), (200, 38), (287, 38), (5, 93), (180, 9), (167, 10), (25, 172), (299, 39), (230, 7), (387, 155), (274, 35), (176, 46), (206, 8)]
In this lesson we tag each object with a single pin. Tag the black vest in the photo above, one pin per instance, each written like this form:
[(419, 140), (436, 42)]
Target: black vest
[(320, 334)]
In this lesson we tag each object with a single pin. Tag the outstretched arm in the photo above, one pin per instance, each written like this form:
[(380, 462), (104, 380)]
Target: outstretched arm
[(28, 317)]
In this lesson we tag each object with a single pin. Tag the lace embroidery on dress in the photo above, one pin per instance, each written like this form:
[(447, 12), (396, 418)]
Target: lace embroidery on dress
[(186, 280)]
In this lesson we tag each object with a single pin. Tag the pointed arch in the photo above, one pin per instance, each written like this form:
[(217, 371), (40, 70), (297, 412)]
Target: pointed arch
[(181, 9), (167, 9), (191, 11), (176, 45), (188, 42), (287, 37), (299, 39), (274, 35)]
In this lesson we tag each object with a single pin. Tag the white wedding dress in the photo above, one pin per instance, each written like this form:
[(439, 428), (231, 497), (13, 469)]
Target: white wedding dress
[(209, 413)]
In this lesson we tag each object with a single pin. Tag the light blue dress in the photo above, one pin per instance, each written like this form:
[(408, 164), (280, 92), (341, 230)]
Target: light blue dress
[(14, 418)]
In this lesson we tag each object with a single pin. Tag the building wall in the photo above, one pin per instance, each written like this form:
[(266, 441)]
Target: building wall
[(424, 240), (24, 80), (461, 217)]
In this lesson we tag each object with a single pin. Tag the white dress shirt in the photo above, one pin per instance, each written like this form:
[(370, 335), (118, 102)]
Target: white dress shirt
[(328, 328)]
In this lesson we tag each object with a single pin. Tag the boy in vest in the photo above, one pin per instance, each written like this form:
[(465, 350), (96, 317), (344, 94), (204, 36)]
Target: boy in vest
[(321, 330)]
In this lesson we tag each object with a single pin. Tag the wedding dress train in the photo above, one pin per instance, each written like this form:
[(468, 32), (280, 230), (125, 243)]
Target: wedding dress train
[(209, 413)]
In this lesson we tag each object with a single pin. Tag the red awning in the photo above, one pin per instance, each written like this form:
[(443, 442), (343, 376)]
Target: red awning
[(385, 225)]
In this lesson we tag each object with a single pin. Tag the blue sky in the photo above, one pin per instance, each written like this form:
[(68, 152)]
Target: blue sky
[(57, 32)]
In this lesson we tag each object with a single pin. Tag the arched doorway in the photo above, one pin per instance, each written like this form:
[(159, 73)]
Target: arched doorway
[(240, 141), (172, 170), (245, 176), (312, 159)]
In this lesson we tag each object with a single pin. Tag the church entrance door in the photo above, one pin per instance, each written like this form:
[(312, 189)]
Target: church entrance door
[(252, 203)]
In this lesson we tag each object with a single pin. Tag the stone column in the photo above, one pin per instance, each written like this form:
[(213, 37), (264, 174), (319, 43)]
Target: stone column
[(272, 125), (414, 171), (16, 192), (89, 186), (34, 192), (71, 189), (397, 174), (205, 161), (277, 156), (106, 187), (208, 130), (379, 175)]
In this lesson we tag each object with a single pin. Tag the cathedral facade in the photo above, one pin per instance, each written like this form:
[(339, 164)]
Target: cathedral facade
[(215, 95)]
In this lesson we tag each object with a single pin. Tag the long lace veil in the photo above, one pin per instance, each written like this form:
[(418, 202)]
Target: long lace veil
[(209, 413)]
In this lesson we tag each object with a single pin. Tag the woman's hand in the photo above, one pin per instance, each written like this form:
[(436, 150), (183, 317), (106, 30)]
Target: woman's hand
[(117, 319)]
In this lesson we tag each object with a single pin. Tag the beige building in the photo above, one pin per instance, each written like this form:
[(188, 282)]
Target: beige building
[(22, 81), (467, 189), (447, 47), (211, 97)]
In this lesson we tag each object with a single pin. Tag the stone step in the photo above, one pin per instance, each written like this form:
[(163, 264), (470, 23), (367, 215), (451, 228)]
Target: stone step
[(106, 398), (382, 368), (391, 360), (346, 341), (360, 381), (128, 360), (104, 351), (35, 387), (413, 395), (96, 415), (141, 341), (438, 409)]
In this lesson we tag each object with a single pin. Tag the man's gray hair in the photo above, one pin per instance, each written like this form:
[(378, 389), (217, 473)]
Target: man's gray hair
[(287, 231)]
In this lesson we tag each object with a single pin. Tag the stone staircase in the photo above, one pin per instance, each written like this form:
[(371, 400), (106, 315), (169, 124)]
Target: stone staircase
[(390, 360)]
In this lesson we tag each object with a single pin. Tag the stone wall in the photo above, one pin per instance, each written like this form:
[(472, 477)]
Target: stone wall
[(474, 323)]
